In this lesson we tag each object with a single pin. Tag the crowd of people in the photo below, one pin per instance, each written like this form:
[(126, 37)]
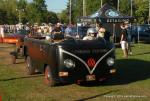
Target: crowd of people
[(32, 29), (49, 30)]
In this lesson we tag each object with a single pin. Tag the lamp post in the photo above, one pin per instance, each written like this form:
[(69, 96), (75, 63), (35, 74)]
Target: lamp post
[(19, 14)]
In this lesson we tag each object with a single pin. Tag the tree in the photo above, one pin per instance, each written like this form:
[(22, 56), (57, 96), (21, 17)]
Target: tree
[(33, 12), (141, 10), (125, 6), (3, 16), (8, 11), (63, 16), (40, 10), (21, 4), (52, 17), (36, 11)]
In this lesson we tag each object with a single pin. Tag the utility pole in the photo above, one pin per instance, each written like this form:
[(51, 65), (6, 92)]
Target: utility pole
[(84, 8), (19, 14), (101, 3), (131, 8), (70, 13), (118, 5), (149, 13)]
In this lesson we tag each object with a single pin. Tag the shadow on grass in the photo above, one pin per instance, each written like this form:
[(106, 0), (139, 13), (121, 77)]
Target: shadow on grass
[(92, 97), (130, 70), (23, 77)]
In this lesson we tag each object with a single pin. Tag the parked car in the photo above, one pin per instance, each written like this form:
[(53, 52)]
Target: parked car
[(18, 40), (140, 33), (13, 38)]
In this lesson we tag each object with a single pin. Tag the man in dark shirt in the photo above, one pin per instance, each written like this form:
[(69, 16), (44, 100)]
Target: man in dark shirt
[(123, 40), (57, 33), (57, 29)]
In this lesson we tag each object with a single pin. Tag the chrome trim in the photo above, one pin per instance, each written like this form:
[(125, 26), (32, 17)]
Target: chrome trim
[(90, 71), (64, 51), (101, 59)]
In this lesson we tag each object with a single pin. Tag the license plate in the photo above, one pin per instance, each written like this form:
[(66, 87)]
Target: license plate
[(90, 77)]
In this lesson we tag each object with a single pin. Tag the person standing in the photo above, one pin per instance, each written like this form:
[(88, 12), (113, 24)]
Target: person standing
[(68, 31), (128, 27), (124, 40), (2, 31), (102, 32), (57, 29), (57, 33)]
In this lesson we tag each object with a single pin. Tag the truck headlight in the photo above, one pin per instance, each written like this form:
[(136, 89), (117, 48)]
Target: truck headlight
[(110, 61), (69, 63)]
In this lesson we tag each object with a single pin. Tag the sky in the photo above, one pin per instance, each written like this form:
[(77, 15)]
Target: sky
[(55, 5)]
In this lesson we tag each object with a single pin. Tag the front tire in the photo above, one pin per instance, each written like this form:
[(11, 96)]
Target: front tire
[(30, 68), (48, 77)]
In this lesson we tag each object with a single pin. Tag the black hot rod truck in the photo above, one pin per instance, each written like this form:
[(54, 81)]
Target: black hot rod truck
[(70, 60)]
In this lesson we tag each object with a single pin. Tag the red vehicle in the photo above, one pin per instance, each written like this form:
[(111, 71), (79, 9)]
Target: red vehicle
[(15, 37)]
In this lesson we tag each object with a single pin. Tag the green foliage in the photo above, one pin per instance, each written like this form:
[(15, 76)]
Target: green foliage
[(3, 16), (36, 11), (52, 17), (141, 10), (33, 12), (64, 16), (8, 11), (21, 4), (125, 7)]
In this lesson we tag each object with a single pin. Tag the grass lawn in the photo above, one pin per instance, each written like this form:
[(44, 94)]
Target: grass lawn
[(131, 83)]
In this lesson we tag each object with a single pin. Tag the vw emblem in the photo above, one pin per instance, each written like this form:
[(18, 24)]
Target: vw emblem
[(91, 62)]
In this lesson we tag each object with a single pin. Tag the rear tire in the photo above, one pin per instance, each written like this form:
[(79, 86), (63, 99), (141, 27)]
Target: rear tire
[(30, 68), (21, 52), (48, 77), (13, 59)]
